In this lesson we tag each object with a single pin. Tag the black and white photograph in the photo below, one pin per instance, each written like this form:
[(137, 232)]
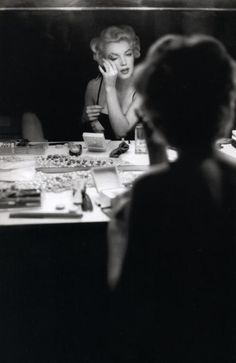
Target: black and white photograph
[(118, 181)]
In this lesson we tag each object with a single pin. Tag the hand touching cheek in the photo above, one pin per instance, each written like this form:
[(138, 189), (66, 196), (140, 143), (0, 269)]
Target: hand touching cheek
[(109, 73)]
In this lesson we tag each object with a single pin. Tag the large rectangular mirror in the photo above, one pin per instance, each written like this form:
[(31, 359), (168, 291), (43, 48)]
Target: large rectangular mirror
[(46, 61)]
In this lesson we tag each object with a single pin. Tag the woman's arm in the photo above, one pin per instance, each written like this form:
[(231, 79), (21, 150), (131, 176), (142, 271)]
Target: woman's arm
[(121, 123), (91, 111), (32, 127)]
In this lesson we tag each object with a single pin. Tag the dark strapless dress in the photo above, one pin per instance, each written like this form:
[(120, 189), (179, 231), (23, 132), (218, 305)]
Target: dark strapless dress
[(108, 130)]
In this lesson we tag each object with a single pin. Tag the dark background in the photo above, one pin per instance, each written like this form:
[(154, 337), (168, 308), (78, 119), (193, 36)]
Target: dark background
[(46, 62)]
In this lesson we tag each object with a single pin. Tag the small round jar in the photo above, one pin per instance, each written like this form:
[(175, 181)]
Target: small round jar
[(75, 149)]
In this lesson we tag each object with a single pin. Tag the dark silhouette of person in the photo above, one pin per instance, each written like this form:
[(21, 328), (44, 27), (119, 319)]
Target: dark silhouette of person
[(175, 299)]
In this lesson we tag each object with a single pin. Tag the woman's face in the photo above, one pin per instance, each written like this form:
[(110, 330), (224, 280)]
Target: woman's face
[(122, 55)]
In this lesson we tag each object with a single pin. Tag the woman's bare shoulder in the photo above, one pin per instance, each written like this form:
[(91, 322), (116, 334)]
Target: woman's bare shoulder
[(93, 84)]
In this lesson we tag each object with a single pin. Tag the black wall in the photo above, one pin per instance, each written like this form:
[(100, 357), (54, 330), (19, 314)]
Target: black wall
[(45, 60)]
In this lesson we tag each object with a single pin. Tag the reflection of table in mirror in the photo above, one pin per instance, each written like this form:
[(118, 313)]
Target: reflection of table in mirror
[(60, 200)]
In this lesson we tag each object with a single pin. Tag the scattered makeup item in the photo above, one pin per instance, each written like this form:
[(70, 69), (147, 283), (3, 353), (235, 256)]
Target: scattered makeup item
[(13, 198), (60, 206), (121, 149), (46, 215), (77, 197), (74, 149), (108, 185), (73, 210), (7, 147), (87, 205), (56, 163), (24, 146), (95, 141)]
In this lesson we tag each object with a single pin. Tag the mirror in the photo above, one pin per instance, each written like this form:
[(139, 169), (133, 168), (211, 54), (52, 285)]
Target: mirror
[(46, 61)]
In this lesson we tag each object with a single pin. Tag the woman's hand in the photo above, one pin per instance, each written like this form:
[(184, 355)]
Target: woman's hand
[(109, 73), (93, 112), (96, 126)]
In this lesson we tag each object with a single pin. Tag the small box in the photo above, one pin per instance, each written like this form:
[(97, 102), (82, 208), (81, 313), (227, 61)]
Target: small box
[(95, 141), (7, 147), (108, 184), (37, 148), (34, 148)]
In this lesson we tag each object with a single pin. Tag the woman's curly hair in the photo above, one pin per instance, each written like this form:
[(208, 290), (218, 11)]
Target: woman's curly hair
[(188, 82), (114, 34)]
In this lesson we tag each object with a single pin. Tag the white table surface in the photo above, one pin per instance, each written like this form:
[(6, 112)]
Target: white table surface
[(50, 200)]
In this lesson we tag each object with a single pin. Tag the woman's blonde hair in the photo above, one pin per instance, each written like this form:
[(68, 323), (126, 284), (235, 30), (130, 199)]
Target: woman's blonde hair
[(114, 34)]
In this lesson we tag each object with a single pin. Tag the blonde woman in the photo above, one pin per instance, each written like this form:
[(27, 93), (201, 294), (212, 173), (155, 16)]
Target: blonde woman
[(110, 99)]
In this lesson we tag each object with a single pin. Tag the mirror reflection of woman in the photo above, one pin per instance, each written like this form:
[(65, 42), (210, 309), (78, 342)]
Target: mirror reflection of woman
[(110, 99)]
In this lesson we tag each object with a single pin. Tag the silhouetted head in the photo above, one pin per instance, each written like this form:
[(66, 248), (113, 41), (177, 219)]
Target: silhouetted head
[(187, 84)]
